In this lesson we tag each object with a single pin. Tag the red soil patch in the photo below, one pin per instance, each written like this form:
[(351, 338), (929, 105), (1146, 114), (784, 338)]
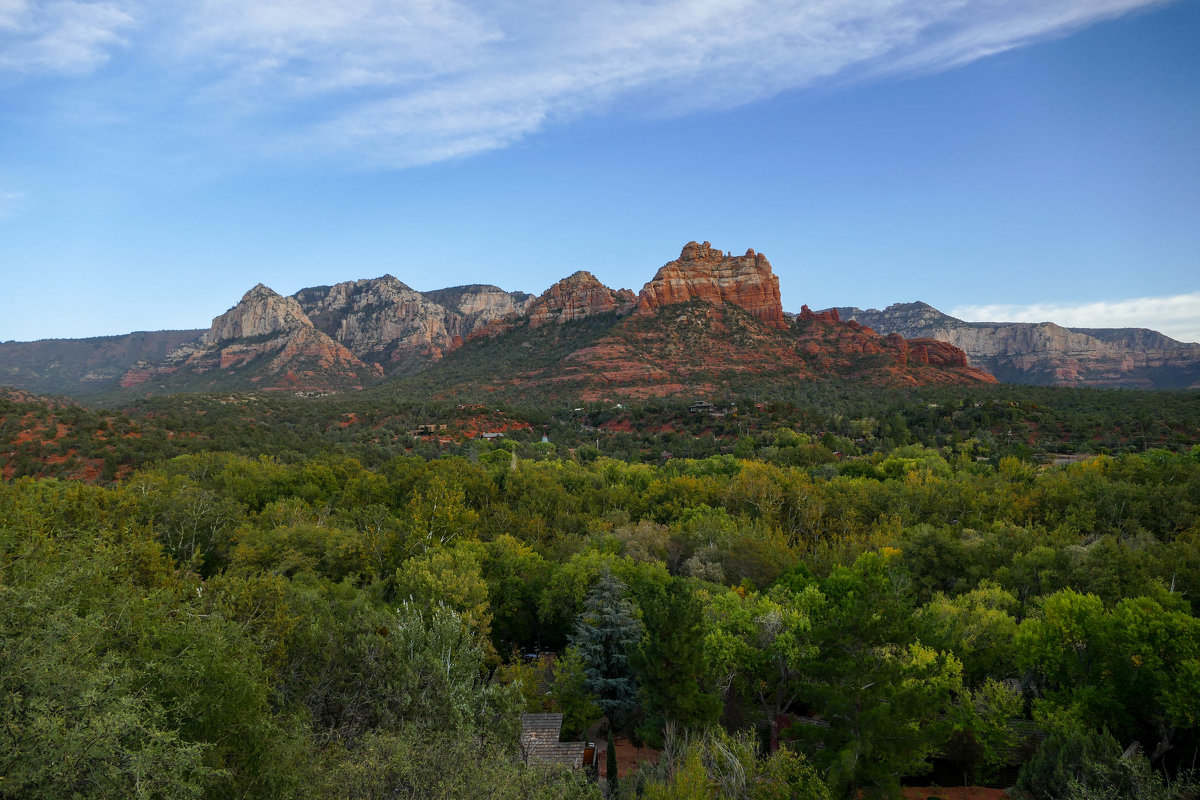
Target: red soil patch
[(475, 426), (628, 756), (27, 435), (954, 793), (617, 426)]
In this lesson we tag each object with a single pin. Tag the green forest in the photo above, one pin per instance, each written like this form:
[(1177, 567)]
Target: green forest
[(814, 597)]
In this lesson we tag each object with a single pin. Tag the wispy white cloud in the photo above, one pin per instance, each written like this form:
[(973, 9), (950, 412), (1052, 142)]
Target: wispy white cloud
[(60, 36), (404, 82), (1178, 316)]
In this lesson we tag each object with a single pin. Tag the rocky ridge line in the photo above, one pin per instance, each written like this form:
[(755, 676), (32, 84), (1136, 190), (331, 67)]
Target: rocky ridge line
[(263, 325), (1046, 353)]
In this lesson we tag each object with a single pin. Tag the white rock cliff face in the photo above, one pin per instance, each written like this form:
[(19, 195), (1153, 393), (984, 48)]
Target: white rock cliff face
[(379, 320), (269, 342), (476, 306), (260, 312), (383, 320)]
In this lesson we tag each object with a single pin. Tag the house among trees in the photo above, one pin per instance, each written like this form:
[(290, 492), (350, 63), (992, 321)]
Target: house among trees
[(540, 744), (705, 407)]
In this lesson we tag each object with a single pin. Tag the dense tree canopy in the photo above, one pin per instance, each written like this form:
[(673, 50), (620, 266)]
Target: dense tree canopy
[(289, 610)]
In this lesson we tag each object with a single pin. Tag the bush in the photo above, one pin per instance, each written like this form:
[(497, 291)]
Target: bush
[(1081, 761)]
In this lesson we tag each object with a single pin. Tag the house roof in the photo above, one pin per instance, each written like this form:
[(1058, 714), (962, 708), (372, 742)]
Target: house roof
[(539, 741)]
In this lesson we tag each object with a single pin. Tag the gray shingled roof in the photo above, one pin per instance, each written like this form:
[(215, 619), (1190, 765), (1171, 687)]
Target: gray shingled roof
[(539, 741)]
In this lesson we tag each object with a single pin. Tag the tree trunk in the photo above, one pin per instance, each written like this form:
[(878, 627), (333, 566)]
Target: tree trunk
[(611, 775)]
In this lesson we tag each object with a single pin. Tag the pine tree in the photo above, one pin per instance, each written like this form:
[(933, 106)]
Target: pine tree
[(671, 667), (603, 635)]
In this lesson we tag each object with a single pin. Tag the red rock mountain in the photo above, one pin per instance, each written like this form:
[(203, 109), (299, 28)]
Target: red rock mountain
[(707, 321), (702, 273)]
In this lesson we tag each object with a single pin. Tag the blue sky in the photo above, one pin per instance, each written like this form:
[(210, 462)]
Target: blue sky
[(1000, 159)]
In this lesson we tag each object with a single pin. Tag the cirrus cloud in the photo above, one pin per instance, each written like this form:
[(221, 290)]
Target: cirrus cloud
[(398, 83), (61, 36)]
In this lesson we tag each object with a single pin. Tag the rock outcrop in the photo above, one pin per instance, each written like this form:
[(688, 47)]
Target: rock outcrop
[(260, 312), (380, 320), (708, 322), (830, 315), (703, 273), (469, 308), (577, 297), (265, 341), (1045, 353)]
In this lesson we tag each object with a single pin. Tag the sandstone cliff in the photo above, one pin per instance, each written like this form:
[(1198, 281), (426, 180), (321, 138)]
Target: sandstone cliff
[(260, 312), (380, 320), (468, 308), (266, 341), (707, 322), (577, 297), (1045, 353), (703, 273), (707, 318)]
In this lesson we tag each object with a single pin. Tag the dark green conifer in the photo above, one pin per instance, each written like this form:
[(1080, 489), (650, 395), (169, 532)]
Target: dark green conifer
[(604, 634)]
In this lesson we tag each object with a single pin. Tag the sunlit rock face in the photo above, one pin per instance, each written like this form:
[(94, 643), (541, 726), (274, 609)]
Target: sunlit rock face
[(260, 312), (382, 320), (704, 273), (268, 342), (577, 297)]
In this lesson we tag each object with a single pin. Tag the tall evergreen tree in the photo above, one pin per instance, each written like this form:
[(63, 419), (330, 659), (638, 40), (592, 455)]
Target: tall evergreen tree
[(604, 634), (671, 666)]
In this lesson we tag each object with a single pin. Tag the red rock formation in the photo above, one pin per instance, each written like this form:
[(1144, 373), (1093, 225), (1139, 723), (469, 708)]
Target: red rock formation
[(807, 314), (935, 353), (576, 297), (702, 273), (899, 346)]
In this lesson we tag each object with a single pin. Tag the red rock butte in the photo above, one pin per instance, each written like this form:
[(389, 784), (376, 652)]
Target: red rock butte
[(576, 297), (704, 273)]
